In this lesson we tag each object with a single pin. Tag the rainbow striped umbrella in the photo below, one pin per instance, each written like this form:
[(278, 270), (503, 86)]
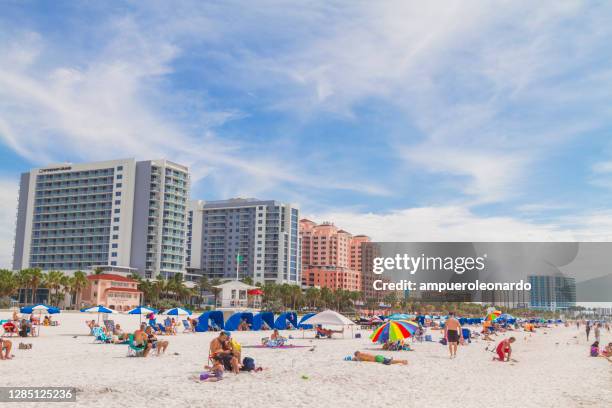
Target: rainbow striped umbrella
[(493, 315), (394, 330)]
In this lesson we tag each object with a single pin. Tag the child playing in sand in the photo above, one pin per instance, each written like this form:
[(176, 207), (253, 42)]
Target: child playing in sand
[(504, 349), (214, 374)]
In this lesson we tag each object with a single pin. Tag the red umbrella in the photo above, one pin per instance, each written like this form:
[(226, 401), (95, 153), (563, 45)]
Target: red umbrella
[(255, 292)]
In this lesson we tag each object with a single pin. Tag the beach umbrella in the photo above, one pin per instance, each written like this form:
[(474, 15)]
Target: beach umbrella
[(177, 311), (394, 330), (493, 316), (40, 308), (99, 310), (140, 310)]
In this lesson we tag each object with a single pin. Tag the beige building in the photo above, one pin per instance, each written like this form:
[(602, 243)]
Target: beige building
[(113, 291)]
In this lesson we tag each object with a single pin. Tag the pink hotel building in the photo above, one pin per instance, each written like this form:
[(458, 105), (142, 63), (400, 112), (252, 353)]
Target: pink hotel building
[(331, 257)]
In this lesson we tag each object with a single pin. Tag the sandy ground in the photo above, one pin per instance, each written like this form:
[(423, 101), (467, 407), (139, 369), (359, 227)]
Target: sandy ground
[(553, 370)]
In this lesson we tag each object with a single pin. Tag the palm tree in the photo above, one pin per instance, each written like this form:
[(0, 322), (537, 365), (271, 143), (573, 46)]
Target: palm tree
[(36, 279), (8, 283), (98, 271), (313, 296), (79, 282), (23, 280), (53, 281)]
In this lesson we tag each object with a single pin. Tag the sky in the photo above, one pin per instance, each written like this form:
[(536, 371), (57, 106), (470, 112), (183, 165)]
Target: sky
[(451, 121)]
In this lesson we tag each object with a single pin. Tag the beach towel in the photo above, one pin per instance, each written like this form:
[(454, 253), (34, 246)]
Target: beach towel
[(284, 346)]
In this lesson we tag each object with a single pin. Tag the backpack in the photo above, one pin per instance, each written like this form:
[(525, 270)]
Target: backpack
[(248, 364)]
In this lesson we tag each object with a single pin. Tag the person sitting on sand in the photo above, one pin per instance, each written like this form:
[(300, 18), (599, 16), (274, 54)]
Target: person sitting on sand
[(140, 340), (215, 373), (119, 335), (360, 356), (244, 326), (275, 339), (321, 332), (159, 345), (504, 349), (220, 352), (6, 345), (275, 335)]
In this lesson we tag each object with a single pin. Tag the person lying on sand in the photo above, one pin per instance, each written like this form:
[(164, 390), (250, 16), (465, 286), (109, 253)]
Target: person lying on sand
[(159, 345), (504, 349), (321, 332), (5, 345), (360, 356), (219, 351)]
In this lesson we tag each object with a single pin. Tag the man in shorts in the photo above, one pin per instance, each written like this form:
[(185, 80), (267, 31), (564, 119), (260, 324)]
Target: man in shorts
[(452, 333)]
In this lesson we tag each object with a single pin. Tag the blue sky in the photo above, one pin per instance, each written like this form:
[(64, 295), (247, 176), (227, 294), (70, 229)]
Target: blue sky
[(453, 121)]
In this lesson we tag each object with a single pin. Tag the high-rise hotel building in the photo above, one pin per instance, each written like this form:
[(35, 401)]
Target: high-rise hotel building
[(245, 237), (119, 213)]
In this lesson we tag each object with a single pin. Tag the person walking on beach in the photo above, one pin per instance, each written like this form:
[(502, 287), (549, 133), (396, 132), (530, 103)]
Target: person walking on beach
[(452, 331), (597, 331), (588, 329)]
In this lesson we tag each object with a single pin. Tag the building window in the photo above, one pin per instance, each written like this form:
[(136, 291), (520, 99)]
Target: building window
[(119, 176), (115, 245), (118, 185), (119, 168)]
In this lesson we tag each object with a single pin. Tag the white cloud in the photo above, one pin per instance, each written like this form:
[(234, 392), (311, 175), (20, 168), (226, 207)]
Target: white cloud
[(455, 223), (114, 104)]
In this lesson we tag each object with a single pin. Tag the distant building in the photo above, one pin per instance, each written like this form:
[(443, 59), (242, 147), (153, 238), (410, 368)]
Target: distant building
[(113, 291), (235, 295), (240, 238), (331, 257), (552, 292), (120, 213)]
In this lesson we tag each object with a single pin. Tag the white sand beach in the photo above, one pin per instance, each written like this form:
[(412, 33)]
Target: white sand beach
[(553, 370)]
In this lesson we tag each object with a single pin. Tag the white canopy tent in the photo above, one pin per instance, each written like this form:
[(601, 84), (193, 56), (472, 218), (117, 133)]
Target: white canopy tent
[(330, 318)]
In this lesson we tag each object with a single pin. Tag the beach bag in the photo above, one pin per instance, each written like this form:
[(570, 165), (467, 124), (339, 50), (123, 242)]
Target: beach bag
[(248, 364)]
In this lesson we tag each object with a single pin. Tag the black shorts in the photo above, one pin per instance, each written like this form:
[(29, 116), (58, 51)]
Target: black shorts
[(225, 359), (453, 336)]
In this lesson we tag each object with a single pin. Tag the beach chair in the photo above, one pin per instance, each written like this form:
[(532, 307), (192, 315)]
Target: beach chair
[(134, 350), (187, 327), (160, 329), (10, 329), (100, 336), (466, 334)]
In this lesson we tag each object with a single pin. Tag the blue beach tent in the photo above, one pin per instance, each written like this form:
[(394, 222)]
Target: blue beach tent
[(263, 317), (234, 320), (303, 324), (208, 319), (286, 318)]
